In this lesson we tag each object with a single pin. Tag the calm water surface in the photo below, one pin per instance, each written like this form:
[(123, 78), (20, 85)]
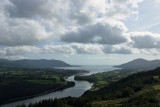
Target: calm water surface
[(76, 91), (92, 68)]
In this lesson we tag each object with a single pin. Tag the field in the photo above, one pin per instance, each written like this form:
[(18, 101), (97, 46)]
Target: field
[(102, 79), (135, 90), (18, 83)]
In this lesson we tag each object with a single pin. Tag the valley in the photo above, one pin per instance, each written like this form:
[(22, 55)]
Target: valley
[(22, 83), (140, 89)]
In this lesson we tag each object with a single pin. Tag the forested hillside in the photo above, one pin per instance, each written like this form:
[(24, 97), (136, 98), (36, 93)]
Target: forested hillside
[(137, 90)]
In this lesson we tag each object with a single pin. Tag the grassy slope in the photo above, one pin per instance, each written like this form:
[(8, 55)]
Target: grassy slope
[(147, 96), (101, 80), (137, 90)]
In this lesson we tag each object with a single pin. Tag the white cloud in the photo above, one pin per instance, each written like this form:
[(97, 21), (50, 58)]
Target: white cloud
[(50, 49), (70, 49), (74, 48), (58, 8), (21, 32), (21, 50), (63, 49), (82, 27), (103, 32), (146, 40), (122, 9), (157, 1), (31, 20), (88, 48), (117, 49)]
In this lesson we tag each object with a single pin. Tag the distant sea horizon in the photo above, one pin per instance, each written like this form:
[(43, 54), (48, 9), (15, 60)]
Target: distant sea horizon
[(91, 68)]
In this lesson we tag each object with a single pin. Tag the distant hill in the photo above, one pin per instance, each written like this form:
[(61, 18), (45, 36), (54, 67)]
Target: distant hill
[(140, 64), (41, 63)]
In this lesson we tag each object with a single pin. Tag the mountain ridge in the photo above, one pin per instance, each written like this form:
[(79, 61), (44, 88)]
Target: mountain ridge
[(34, 63), (140, 64)]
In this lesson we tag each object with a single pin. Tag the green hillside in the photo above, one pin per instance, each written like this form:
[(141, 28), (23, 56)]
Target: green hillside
[(137, 90)]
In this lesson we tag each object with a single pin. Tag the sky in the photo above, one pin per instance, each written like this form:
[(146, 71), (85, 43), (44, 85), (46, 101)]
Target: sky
[(80, 32)]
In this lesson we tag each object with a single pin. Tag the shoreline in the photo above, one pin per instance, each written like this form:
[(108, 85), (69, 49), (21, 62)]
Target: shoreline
[(66, 86), (69, 84)]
